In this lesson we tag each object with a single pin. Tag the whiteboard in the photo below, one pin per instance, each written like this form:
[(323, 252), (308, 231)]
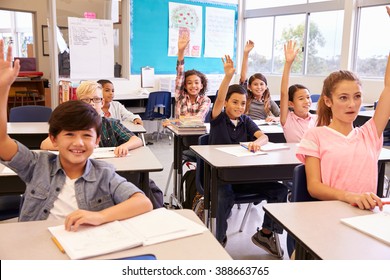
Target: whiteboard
[(91, 44)]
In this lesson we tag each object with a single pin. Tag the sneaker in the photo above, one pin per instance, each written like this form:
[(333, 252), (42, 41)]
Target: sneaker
[(270, 244)]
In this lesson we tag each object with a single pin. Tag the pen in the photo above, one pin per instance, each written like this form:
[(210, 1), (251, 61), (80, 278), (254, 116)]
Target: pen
[(242, 145), (58, 244)]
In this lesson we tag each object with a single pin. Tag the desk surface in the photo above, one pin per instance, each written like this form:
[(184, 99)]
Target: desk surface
[(31, 240), (27, 128), (220, 159), (138, 160), (317, 225), (135, 128)]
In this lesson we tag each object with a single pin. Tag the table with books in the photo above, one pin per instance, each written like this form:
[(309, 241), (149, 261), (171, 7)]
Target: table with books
[(185, 133), (176, 235)]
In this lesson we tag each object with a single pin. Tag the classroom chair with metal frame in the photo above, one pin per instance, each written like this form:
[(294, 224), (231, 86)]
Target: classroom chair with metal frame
[(30, 113), (158, 107), (299, 193), (240, 198)]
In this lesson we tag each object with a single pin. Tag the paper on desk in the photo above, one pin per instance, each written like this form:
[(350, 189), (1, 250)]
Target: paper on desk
[(6, 170), (376, 225), (263, 122), (239, 151), (156, 226), (269, 146), (99, 153)]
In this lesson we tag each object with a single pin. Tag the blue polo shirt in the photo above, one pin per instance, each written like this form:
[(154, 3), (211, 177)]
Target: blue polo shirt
[(223, 131)]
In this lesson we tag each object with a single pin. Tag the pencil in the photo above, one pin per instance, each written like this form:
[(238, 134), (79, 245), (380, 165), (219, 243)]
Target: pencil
[(58, 244)]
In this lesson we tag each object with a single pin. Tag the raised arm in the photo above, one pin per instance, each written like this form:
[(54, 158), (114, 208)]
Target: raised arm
[(182, 43), (179, 82), (228, 67), (244, 67), (290, 52), (8, 74)]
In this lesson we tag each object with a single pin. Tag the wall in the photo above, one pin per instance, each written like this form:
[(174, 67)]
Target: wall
[(132, 85)]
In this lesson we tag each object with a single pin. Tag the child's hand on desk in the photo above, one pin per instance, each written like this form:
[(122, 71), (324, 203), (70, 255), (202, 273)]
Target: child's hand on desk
[(138, 121), (253, 147), (121, 151), (80, 217), (365, 201)]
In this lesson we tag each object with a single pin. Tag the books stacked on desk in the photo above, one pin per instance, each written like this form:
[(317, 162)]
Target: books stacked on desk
[(189, 124)]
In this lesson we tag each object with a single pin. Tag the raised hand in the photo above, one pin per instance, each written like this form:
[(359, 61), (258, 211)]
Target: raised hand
[(183, 42), (228, 66), (8, 73), (290, 51), (249, 46)]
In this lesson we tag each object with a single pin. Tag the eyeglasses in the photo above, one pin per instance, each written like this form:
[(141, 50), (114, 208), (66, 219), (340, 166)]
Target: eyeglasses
[(94, 100)]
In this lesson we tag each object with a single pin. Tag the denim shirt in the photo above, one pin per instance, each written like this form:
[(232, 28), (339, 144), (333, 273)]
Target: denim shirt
[(98, 188)]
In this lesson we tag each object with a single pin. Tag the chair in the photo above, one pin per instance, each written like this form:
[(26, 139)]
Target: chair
[(240, 198), (315, 97), (10, 206), (30, 113), (158, 107), (299, 193)]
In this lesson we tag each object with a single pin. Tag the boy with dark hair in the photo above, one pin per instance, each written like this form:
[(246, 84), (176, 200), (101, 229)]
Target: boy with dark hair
[(69, 186), (231, 126)]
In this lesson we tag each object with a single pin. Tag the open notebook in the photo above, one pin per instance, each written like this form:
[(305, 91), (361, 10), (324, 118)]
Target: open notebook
[(157, 226), (376, 225)]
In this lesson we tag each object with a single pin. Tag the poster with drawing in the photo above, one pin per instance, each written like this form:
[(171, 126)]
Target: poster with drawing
[(185, 20), (219, 32)]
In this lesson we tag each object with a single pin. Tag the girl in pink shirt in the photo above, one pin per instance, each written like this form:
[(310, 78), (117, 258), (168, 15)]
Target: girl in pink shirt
[(295, 122), (340, 160)]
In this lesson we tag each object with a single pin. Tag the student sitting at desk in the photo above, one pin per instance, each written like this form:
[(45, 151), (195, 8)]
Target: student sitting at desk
[(115, 109), (191, 87), (51, 180), (341, 161), (231, 126), (259, 105), (297, 97), (114, 134)]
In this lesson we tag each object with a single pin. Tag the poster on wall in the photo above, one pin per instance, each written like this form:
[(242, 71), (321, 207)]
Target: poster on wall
[(91, 44), (219, 32), (185, 20)]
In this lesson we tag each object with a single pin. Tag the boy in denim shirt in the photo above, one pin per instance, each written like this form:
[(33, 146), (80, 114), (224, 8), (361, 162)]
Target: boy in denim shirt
[(69, 186)]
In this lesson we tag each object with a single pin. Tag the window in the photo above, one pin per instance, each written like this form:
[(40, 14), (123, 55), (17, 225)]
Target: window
[(372, 42), (317, 32), (17, 30)]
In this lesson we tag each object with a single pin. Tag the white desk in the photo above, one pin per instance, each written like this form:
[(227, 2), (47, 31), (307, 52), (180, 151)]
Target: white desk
[(136, 128), (134, 168), (30, 134), (222, 168), (31, 241), (319, 233)]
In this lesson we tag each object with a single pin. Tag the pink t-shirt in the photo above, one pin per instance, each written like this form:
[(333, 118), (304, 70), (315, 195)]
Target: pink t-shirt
[(348, 163), (295, 127)]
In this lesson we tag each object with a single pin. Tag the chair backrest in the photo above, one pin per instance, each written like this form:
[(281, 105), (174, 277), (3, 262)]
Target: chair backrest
[(314, 97), (30, 113), (158, 105), (202, 140), (299, 190), (10, 206)]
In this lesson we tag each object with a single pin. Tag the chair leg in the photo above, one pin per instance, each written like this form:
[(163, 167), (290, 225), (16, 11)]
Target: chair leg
[(169, 180), (245, 216)]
